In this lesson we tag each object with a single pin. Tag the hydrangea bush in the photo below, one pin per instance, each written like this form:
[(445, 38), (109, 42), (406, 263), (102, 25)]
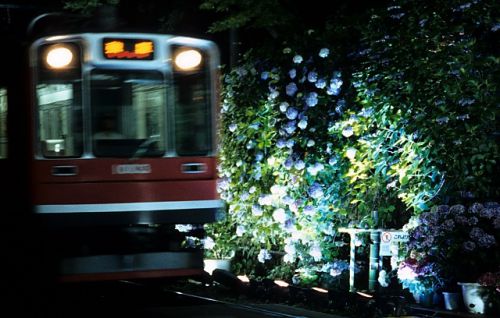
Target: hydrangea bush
[(277, 164), (312, 140), (297, 162), (419, 274), (461, 240), (437, 65)]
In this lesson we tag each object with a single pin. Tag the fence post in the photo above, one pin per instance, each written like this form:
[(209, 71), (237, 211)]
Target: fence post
[(374, 259)]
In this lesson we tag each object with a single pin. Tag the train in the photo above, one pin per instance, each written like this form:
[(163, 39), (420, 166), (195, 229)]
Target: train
[(109, 142)]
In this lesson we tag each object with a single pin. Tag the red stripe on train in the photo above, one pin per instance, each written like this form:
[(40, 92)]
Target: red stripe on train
[(125, 192)]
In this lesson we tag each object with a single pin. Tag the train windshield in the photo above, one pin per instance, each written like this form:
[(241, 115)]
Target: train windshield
[(128, 113)]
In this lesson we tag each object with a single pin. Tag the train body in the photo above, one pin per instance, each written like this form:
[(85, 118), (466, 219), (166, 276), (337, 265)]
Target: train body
[(121, 148)]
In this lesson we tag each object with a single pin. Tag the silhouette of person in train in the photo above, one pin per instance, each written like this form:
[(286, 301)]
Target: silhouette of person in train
[(107, 129)]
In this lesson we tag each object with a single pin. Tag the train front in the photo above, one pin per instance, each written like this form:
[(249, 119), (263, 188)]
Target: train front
[(123, 151)]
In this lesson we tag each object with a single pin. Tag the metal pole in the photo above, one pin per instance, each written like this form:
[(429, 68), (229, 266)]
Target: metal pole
[(374, 259)]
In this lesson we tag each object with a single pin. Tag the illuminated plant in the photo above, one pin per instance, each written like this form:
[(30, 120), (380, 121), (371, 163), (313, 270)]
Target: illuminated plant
[(312, 140)]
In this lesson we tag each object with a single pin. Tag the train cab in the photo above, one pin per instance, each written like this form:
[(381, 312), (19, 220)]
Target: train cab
[(123, 148)]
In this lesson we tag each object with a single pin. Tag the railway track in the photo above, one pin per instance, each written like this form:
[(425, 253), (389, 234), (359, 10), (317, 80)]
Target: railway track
[(154, 299), (157, 299)]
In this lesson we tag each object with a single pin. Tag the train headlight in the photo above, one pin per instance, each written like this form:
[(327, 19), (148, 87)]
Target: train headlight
[(187, 60), (59, 57)]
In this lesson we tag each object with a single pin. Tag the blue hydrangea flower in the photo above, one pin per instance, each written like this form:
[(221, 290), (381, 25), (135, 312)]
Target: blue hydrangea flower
[(324, 52), (208, 243), (281, 143), (315, 191), (279, 215), (302, 123), (334, 87), (366, 112), (309, 210), (273, 93), (287, 199), (290, 127), (263, 256), (310, 143), (241, 71), (312, 99), (291, 113), (297, 59), (321, 83), (442, 120), (299, 165), (291, 89), (347, 132), (290, 143), (233, 127), (284, 107), (312, 76), (264, 75), (257, 210), (315, 252), (292, 73), (240, 230), (314, 169)]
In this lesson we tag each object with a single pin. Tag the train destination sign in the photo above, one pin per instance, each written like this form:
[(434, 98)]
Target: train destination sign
[(128, 49)]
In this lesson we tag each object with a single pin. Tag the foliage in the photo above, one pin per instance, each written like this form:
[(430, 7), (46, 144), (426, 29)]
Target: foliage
[(490, 279), (296, 162), (435, 65), (256, 13), (277, 165), (87, 6), (462, 241), (315, 137), (219, 240)]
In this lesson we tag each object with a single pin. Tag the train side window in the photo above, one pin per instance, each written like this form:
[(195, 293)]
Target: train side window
[(3, 123), (192, 115), (60, 119), (59, 100)]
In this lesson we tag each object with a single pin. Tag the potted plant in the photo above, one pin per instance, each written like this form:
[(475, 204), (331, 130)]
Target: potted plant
[(483, 296), (462, 240), (219, 245), (420, 275)]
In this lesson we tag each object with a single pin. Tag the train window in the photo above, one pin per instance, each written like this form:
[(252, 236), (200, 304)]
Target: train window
[(192, 114), (60, 118), (3, 123), (128, 113)]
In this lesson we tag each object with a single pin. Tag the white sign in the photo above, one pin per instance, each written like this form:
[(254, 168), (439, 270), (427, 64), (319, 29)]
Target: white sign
[(131, 169), (390, 238)]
